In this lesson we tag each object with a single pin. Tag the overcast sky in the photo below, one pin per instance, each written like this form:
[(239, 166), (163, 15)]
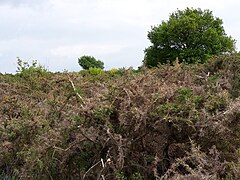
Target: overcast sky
[(57, 32)]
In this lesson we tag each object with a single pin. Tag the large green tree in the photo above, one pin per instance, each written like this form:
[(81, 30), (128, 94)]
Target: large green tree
[(87, 62), (192, 35)]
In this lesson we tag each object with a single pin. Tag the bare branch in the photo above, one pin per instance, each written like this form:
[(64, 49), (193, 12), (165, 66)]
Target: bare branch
[(75, 90)]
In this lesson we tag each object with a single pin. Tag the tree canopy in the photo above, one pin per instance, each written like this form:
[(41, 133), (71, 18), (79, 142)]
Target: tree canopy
[(192, 35), (87, 62)]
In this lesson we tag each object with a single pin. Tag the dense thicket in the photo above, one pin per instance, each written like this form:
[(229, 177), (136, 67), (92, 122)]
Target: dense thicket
[(175, 122)]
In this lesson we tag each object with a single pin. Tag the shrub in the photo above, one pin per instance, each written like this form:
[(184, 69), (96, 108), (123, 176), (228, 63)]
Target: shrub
[(87, 62), (113, 71), (26, 70), (160, 123), (95, 71)]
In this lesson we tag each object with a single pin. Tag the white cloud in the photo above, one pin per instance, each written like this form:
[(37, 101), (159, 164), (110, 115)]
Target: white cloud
[(112, 30), (86, 49), (36, 4)]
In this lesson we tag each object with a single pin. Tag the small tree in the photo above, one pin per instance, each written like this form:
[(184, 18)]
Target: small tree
[(87, 62), (192, 35)]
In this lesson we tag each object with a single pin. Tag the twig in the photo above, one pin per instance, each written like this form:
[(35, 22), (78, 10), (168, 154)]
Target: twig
[(103, 167), (129, 99), (111, 136), (119, 145), (58, 148), (140, 137), (75, 90), (103, 177), (155, 171), (90, 169), (65, 103), (88, 138)]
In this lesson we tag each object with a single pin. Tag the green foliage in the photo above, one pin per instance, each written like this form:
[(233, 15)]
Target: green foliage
[(95, 71), (79, 119), (217, 102), (120, 175), (120, 71), (82, 158), (192, 35), (26, 70), (113, 71), (123, 71), (102, 114), (31, 73), (135, 176), (7, 176), (183, 106), (92, 73), (87, 62)]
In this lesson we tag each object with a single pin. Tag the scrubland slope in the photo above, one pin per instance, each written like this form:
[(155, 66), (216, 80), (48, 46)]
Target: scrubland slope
[(172, 122)]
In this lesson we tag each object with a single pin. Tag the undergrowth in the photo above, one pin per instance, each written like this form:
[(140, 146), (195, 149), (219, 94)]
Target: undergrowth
[(171, 122)]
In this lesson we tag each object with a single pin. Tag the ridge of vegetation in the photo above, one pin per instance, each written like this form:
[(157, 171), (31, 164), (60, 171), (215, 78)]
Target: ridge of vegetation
[(170, 122)]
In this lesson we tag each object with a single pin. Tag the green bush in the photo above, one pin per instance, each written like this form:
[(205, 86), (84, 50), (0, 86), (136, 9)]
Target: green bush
[(183, 107), (113, 71), (95, 71), (26, 70), (87, 62)]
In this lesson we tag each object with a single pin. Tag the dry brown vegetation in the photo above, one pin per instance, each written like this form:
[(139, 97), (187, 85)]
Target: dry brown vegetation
[(172, 122)]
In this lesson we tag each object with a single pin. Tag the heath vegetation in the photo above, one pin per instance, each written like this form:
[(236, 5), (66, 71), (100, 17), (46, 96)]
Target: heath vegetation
[(178, 120), (171, 122)]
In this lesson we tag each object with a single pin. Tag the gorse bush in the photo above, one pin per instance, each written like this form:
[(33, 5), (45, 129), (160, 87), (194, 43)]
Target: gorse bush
[(113, 71), (25, 70), (92, 72), (95, 71), (161, 123), (32, 74)]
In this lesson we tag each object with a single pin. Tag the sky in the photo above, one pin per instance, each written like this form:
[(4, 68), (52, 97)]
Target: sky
[(57, 32)]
